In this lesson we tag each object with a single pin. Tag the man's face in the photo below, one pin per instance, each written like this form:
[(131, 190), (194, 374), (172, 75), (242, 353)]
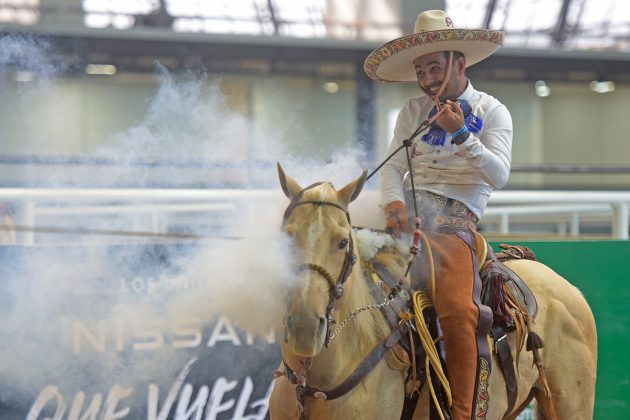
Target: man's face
[(431, 70)]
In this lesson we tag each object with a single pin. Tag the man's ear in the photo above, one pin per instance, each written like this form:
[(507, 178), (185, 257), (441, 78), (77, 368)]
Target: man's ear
[(461, 64)]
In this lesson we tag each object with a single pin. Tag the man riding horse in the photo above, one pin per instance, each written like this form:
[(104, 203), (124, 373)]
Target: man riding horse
[(464, 156)]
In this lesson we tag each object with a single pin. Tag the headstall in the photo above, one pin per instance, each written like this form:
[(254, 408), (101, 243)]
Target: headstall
[(348, 262)]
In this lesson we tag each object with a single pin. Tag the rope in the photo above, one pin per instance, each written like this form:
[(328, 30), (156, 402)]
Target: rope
[(436, 97), (529, 323), (407, 143), (421, 301), (103, 232)]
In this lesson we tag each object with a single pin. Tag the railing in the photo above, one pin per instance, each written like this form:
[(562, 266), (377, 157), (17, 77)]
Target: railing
[(565, 211), (149, 211), (157, 209)]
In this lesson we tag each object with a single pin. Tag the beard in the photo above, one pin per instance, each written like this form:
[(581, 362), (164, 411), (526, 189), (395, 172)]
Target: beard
[(433, 89)]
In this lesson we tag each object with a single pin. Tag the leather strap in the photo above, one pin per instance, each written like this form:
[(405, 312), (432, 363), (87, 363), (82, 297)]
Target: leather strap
[(409, 406), (388, 311), (355, 377), (502, 348)]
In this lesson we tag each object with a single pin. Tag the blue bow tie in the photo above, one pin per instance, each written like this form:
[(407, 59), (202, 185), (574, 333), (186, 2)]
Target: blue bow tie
[(437, 135)]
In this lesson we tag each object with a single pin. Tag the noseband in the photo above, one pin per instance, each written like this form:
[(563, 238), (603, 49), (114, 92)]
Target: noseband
[(372, 359), (349, 260)]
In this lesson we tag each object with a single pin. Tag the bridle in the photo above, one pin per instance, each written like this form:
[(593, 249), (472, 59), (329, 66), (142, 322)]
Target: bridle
[(298, 378), (350, 259)]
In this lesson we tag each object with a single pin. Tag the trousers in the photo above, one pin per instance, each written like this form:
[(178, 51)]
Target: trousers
[(464, 320)]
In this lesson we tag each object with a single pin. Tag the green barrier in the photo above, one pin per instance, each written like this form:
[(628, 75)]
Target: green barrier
[(601, 270)]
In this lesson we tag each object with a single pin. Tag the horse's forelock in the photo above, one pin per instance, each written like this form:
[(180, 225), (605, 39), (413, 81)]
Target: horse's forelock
[(323, 192)]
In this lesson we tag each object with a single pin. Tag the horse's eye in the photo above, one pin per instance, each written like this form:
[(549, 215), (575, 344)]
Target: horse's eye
[(343, 243)]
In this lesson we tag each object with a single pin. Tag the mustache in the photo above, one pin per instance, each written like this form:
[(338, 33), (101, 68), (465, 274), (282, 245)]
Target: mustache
[(435, 86), (429, 88)]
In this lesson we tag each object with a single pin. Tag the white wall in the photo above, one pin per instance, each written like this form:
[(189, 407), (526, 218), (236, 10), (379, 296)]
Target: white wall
[(70, 116), (78, 116)]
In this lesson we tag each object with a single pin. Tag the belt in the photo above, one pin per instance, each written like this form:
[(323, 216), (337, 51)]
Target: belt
[(440, 211), (452, 222)]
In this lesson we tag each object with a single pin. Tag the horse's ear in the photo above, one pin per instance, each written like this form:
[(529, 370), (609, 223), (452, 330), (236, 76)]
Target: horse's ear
[(351, 191), (290, 187)]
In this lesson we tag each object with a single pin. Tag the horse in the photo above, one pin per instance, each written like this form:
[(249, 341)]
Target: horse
[(332, 297)]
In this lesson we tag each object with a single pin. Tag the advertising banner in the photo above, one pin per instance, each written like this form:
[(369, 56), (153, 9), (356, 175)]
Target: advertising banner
[(122, 332)]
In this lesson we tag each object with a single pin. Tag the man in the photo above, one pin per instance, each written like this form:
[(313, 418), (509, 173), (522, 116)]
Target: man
[(456, 164)]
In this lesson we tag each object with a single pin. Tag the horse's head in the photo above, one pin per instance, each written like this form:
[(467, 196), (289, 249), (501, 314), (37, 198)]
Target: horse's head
[(318, 223)]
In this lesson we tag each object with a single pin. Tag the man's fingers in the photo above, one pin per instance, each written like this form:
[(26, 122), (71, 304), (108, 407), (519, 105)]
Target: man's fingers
[(394, 231), (453, 105)]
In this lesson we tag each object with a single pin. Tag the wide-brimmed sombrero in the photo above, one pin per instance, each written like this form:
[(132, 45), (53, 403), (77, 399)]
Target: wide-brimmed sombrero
[(434, 31)]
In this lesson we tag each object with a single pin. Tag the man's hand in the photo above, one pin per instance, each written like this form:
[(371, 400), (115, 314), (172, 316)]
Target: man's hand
[(452, 119), (397, 221)]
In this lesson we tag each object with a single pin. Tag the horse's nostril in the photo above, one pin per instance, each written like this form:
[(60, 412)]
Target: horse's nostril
[(322, 323)]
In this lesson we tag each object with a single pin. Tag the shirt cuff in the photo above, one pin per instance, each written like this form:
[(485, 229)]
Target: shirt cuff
[(472, 147)]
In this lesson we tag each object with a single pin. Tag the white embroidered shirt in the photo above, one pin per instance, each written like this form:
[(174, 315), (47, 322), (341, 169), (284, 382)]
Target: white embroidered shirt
[(467, 172)]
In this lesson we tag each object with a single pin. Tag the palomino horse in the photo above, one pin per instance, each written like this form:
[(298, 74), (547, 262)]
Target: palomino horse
[(327, 287)]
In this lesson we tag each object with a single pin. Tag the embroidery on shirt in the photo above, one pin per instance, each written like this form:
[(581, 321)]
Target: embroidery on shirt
[(415, 152), (437, 135)]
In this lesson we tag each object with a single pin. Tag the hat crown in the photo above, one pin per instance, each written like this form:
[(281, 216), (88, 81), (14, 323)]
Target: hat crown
[(433, 20), (434, 31)]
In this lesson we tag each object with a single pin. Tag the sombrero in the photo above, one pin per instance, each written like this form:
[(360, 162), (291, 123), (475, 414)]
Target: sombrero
[(434, 31)]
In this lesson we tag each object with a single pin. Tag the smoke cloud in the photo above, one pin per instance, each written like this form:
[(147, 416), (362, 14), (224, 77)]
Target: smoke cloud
[(83, 311)]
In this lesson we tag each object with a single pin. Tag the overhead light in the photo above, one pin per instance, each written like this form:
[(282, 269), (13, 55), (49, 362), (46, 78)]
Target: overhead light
[(24, 76), (542, 89), (331, 87), (101, 69), (602, 87)]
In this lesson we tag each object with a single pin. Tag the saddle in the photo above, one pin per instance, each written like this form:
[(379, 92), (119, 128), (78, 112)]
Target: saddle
[(512, 302), (513, 306), (494, 273)]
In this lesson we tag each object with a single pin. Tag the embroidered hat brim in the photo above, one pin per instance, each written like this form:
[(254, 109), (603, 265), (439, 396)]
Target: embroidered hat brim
[(393, 62)]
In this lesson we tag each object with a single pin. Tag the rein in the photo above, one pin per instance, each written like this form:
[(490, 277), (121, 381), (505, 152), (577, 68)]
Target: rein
[(402, 328), (370, 361), (421, 128), (298, 378), (414, 248)]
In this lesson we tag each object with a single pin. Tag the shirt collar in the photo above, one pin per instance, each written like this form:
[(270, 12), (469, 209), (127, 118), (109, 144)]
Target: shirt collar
[(467, 94)]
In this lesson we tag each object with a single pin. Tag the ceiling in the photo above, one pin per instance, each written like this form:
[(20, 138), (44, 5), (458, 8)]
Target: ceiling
[(561, 24), (546, 39)]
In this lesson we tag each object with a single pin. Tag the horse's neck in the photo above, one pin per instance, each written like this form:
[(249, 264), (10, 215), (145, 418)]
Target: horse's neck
[(356, 295), (360, 335)]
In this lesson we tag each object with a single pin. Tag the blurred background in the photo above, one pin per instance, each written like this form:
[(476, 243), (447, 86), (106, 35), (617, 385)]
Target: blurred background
[(295, 68), (189, 94)]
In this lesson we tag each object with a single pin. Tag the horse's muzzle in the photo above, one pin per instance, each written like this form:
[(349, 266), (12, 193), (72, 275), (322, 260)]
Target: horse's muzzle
[(305, 334)]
